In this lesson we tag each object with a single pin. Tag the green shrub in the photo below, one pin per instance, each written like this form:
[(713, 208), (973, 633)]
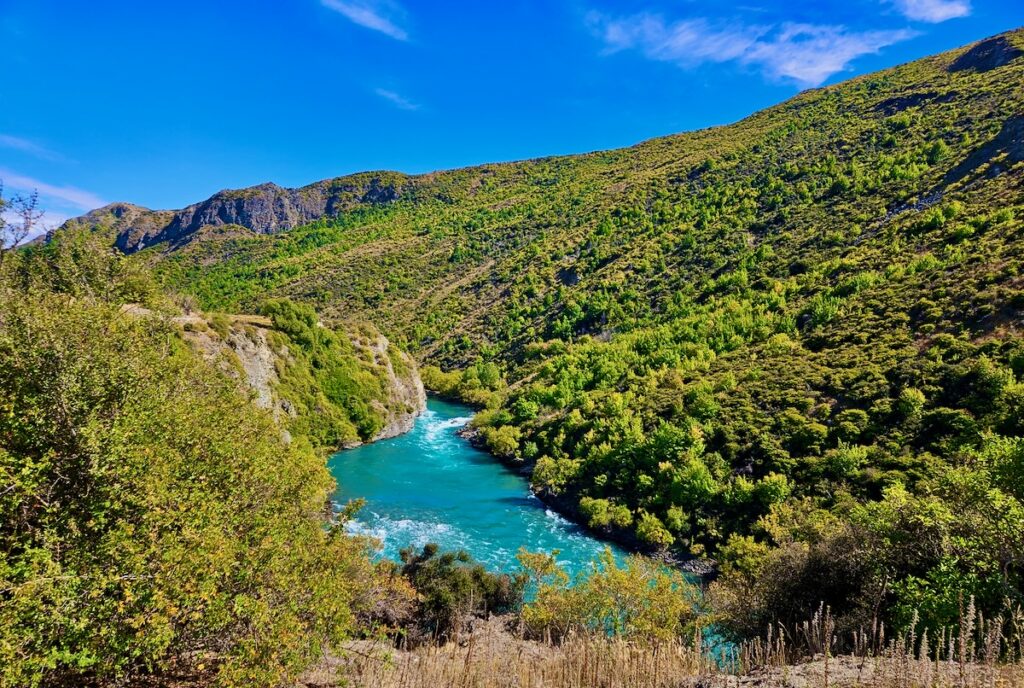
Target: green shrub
[(653, 532), (150, 512), (640, 600), (451, 588)]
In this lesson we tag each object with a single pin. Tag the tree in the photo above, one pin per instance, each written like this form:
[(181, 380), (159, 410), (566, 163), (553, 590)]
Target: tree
[(640, 599), (26, 216), (148, 512)]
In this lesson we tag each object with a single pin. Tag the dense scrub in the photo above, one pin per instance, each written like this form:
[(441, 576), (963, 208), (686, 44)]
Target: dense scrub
[(149, 514), (791, 343)]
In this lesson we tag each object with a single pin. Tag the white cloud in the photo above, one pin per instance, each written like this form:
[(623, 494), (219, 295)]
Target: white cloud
[(689, 42), (25, 146), (69, 195), (810, 54), (377, 16), (807, 54), (396, 99), (933, 11)]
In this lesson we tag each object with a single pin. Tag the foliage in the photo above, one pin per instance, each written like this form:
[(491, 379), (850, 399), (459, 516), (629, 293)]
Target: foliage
[(639, 600), (452, 587), (148, 513), (478, 384), (338, 393)]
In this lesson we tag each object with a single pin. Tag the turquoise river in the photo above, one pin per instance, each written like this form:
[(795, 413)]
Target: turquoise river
[(429, 485)]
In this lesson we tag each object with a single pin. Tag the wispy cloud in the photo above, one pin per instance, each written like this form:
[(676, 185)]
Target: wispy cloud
[(933, 11), (806, 54), (25, 146), (396, 99), (378, 16), (72, 196), (810, 54)]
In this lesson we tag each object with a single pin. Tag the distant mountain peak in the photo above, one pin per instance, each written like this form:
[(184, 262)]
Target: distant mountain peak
[(264, 209)]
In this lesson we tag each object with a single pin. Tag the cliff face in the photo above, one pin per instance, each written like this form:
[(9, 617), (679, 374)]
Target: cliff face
[(408, 398), (244, 352), (264, 209), (245, 348)]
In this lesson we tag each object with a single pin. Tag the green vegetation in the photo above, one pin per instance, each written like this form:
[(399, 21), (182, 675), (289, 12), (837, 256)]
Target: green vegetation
[(477, 384), (338, 393), (149, 514), (791, 344), (750, 342), (452, 588), (642, 600)]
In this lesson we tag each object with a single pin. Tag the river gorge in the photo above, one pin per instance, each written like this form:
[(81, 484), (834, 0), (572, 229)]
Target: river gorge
[(429, 485)]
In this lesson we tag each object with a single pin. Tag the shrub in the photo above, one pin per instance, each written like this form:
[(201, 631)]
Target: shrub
[(641, 599), (452, 587), (653, 532), (503, 441), (150, 512)]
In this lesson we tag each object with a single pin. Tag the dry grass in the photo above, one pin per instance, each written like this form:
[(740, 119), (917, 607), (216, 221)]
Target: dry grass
[(978, 654), (503, 661)]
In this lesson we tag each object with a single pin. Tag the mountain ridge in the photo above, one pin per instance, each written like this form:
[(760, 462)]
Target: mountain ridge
[(264, 209), (268, 208)]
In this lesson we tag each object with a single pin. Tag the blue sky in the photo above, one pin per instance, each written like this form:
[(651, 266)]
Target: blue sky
[(164, 103)]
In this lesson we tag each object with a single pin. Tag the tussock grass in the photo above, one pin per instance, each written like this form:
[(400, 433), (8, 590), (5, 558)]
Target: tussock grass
[(979, 653)]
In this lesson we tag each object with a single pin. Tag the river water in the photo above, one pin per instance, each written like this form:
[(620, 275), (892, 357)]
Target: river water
[(429, 485)]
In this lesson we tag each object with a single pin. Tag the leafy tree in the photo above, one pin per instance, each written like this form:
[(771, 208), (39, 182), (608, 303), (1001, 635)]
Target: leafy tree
[(641, 599), (150, 513)]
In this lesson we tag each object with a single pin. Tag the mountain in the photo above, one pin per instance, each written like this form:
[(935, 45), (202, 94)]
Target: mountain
[(271, 209), (486, 223), (264, 209), (776, 342)]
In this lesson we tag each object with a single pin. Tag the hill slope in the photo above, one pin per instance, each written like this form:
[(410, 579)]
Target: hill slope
[(742, 340), (523, 237), (338, 388)]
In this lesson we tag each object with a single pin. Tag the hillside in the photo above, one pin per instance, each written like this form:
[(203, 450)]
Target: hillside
[(791, 343), (339, 388), (525, 237)]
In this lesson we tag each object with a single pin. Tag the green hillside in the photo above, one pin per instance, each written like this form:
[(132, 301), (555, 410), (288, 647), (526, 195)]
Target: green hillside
[(791, 343)]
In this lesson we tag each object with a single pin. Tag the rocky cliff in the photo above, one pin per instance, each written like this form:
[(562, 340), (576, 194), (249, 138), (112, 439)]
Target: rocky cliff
[(408, 398), (264, 209), (245, 347)]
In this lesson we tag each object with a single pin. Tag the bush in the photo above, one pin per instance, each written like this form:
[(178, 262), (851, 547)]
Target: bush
[(640, 600), (503, 441), (150, 512), (653, 532), (600, 513), (452, 587)]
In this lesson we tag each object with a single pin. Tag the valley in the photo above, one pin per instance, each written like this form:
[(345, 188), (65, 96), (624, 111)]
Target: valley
[(784, 353)]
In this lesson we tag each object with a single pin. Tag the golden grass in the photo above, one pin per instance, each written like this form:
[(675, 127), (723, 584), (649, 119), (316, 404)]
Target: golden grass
[(978, 654)]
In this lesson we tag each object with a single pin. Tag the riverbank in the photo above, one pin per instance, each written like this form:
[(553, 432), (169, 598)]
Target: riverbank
[(705, 569), (429, 485)]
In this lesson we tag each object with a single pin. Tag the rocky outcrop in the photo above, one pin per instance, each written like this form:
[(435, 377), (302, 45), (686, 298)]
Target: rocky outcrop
[(241, 347), (264, 209), (407, 397), (243, 351)]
